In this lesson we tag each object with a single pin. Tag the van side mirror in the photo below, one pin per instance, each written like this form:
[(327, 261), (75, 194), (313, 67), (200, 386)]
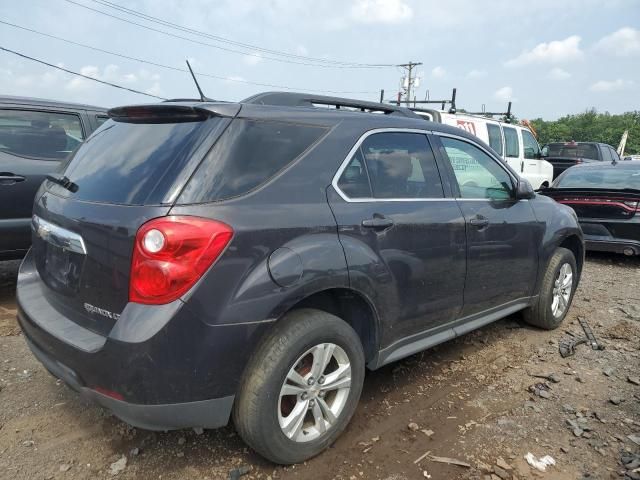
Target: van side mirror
[(524, 190)]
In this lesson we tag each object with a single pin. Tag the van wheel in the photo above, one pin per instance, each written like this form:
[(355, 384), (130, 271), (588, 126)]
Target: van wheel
[(556, 293), (301, 387)]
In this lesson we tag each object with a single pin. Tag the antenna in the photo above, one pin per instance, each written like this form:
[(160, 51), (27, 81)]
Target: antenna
[(202, 97)]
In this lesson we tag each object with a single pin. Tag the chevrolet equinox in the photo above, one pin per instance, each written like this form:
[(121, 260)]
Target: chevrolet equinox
[(196, 261)]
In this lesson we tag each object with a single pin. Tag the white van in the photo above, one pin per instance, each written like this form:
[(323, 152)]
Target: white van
[(514, 143)]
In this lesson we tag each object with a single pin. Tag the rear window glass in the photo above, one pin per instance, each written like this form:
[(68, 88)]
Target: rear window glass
[(45, 135), (606, 178), (495, 138), (512, 146), (248, 154), (572, 150), (133, 163)]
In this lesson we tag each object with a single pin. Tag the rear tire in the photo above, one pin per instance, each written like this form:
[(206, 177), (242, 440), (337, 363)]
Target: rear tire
[(556, 292), (279, 384)]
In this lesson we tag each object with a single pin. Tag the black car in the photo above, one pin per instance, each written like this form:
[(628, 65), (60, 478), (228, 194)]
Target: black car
[(564, 155), (606, 198), (203, 260), (35, 136)]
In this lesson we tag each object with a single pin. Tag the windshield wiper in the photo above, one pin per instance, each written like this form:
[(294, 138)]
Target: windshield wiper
[(63, 181)]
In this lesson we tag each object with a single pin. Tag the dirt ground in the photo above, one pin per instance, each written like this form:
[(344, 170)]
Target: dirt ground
[(468, 400)]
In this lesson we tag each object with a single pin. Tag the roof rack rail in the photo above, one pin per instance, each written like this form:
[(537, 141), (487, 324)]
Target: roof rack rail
[(508, 116), (452, 102), (291, 99)]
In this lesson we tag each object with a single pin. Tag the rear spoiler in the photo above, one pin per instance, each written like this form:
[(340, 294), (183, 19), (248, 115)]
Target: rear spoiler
[(172, 112)]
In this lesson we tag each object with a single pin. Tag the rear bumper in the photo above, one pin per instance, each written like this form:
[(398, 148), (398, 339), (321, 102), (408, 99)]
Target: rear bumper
[(205, 413), (612, 245), (164, 367)]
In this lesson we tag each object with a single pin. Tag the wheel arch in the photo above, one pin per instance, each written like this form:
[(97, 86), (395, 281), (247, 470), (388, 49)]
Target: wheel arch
[(575, 245), (352, 307)]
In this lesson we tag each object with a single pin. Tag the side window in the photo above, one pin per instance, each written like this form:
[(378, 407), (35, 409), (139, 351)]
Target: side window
[(100, 119), (606, 154), (530, 144), (512, 146), (401, 165), (354, 181), (495, 137), (392, 165), (478, 174), (614, 154), (45, 135)]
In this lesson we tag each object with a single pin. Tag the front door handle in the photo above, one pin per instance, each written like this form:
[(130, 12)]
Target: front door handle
[(377, 223), (479, 222), (10, 178)]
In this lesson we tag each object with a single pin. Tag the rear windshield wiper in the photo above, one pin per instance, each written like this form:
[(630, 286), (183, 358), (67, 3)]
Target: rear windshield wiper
[(63, 181)]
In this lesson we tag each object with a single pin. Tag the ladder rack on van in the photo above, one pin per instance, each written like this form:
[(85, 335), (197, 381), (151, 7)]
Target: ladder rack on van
[(452, 102)]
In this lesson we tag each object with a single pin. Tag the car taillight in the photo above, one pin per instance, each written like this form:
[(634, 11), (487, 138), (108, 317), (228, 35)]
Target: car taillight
[(171, 254)]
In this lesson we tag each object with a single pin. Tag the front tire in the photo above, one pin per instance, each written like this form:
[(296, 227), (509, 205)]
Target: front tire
[(301, 387), (556, 292)]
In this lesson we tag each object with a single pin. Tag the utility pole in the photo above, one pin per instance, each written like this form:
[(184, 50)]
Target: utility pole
[(410, 79)]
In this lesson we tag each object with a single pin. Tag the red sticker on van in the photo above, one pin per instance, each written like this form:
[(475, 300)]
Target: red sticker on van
[(468, 126)]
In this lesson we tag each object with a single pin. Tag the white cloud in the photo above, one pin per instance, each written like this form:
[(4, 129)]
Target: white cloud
[(381, 11), (253, 59), (621, 43), (557, 51), (610, 85), (558, 74), (477, 74), (438, 72), (504, 94)]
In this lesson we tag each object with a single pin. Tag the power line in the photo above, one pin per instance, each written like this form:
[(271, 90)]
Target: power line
[(169, 67), (80, 74), (218, 38), (231, 50)]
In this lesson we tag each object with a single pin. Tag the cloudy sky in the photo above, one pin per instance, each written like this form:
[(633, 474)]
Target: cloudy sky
[(550, 57)]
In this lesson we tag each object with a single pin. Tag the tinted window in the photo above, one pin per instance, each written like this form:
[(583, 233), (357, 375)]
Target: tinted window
[(495, 138), (354, 181), (572, 150), (614, 154), (248, 154), (133, 163), (607, 178), (47, 135), (401, 165), (512, 146), (530, 145), (478, 174)]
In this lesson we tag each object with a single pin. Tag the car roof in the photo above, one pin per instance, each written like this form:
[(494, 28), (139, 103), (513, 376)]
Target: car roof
[(292, 110), (624, 164), (577, 143), (40, 102)]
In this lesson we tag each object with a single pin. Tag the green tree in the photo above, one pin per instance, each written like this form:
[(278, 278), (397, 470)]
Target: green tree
[(591, 126)]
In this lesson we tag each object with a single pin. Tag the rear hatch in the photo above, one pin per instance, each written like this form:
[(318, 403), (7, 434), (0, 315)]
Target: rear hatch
[(603, 213), (598, 204), (85, 219)]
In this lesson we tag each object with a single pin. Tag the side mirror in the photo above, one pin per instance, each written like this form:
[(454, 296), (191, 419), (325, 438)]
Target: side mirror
[(524, 190)]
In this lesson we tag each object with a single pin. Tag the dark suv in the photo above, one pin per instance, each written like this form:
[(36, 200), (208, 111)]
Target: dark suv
[(35, 136), (203, 260)]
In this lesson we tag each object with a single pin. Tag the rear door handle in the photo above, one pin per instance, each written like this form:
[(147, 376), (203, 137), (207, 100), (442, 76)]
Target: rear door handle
[(10, 178), (377, 223), (479, 222)]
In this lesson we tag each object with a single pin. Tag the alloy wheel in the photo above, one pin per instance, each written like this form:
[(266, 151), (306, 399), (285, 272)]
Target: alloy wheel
[(314, 392)]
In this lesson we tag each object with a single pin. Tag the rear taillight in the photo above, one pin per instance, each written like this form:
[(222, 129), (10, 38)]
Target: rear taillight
[(630, 206), (171, 254)]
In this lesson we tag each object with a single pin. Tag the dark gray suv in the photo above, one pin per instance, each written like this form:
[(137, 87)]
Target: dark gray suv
[(197, 261), (35, 136)]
